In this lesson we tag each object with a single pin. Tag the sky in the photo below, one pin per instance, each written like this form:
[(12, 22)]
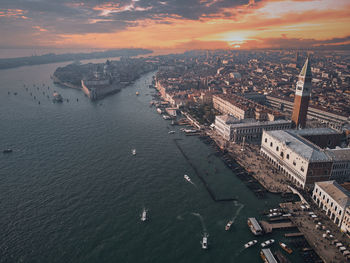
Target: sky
[(174, 24)]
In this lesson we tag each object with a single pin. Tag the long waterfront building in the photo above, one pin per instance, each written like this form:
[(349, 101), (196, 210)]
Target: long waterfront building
[(304, 157), (236, 130)]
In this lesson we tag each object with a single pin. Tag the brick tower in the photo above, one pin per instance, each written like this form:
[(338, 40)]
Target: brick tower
[(302, 96)]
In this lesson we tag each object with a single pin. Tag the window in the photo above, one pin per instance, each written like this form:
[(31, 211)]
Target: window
[(335, 208), (271, 144), (282, 154), (294, 163), (316, 190), (327, 200), (302, 169), (277, 148), (265, 139), (288, 156)]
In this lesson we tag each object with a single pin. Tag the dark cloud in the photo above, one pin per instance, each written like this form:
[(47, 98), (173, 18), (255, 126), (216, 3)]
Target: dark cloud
[(87, 16)]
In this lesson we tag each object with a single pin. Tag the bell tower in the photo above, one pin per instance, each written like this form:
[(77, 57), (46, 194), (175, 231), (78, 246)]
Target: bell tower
[(302, 96)]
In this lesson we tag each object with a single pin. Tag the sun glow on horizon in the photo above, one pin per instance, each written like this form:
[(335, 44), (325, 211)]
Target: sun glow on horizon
[(251, 25)]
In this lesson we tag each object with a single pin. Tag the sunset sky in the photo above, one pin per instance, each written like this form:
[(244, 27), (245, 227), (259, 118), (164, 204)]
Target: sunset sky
[(174, 24)]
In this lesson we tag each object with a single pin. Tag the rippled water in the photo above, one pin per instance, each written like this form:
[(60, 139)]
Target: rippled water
[(71, 191)]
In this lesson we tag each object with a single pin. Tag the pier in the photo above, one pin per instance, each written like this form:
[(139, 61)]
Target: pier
[(297, 234), (268, 227)]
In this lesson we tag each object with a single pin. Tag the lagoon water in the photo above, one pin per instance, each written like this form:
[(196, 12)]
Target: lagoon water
[(71, 191)]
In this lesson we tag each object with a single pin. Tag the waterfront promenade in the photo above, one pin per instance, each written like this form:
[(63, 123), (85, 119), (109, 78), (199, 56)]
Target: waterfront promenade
[(249, 158), (307, 225)]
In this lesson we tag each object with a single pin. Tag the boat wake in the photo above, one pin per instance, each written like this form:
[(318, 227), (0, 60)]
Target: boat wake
[(202, 221), (179, 217), (240, 207)]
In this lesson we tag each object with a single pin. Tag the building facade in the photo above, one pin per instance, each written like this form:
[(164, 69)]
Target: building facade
[(243, 108), (345, 226), (302, 162), (333, 199), (226, 106), (250, 130)]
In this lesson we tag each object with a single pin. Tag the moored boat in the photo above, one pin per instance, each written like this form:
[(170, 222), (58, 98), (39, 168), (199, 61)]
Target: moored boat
[(286, 248), (171, 132), (133, 151), (267, 243), (228, 225), (250, 243), (57, 97), (275, 214)]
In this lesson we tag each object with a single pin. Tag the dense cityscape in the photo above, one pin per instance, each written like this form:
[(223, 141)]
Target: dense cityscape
[(150, 131), (279, 109)]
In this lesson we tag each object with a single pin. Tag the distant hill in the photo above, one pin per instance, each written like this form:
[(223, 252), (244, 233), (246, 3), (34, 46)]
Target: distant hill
[(6, 63)]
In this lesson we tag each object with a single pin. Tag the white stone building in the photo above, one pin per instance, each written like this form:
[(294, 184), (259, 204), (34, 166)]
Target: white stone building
[(303, 162), (233, 129), (332, 198)]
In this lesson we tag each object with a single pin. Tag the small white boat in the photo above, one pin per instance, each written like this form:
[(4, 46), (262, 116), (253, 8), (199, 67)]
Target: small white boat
[(137, 93), (187, 178), (205, 241), (250, 243), (133, 151), (228, 225), (171, 132), (275, 214), (267, 243), (144, 215)]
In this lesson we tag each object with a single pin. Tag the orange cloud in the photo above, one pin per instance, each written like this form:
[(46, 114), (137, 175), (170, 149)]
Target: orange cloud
[(13, 13), (255, 25)]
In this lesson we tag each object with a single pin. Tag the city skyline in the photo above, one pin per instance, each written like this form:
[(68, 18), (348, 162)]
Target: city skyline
[(175, 25)]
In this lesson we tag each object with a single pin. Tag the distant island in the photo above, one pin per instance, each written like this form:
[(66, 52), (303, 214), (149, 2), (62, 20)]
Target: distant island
[(98, 80), (6, 63)]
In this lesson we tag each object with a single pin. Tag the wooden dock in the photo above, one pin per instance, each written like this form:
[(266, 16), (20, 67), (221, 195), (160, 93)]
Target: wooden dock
[(298, 234), (268, 227)]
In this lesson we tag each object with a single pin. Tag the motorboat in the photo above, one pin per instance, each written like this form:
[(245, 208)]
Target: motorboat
[(57, 97), (275, 214), (133, 151), (228, 225), (286, 248), (144, 215), (250, 243), (205, 241), (8, 150), (187, 178), (171, 132), (137, 93), (267, 243)]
